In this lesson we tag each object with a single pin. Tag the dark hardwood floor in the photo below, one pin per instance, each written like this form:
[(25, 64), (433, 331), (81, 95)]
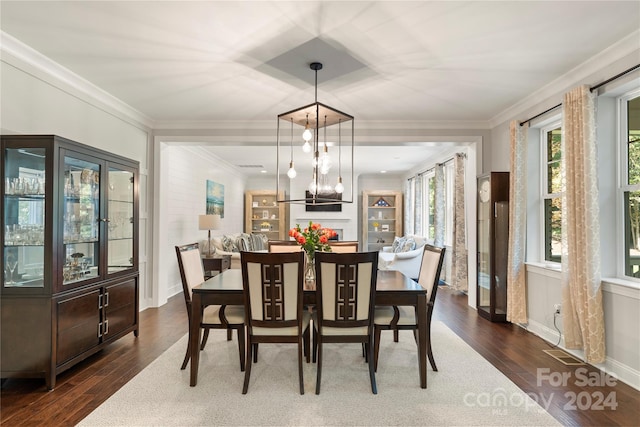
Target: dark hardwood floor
[(514, 351)]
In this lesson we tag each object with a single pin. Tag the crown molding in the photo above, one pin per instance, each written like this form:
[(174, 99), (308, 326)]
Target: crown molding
[(551, 93), (18, 54)]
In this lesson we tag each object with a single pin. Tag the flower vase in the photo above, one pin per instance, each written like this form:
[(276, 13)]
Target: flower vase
[(309, 269)]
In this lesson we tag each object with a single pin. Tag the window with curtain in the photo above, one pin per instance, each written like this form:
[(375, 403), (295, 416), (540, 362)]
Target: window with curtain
[(630, 180), (551, 138), (449, 174), (429, 204)]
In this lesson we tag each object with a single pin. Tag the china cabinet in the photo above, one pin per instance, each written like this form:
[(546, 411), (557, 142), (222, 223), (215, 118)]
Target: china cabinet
[(493, 241), (70, 253), (264, 215), (381, 218)]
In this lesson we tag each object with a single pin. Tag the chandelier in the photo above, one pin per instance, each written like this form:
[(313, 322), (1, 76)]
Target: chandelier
[(322, 154)]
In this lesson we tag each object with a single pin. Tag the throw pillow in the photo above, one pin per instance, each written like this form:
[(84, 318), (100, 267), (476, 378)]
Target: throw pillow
[(229, 244), (244, 242), (408, 245), (397, 243)]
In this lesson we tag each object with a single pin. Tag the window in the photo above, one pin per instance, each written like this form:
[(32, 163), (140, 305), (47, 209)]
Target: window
[(630, 141), (551, 138), (429, 205)]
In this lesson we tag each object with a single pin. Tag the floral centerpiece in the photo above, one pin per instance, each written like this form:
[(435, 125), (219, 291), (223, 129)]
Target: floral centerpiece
[(312, 239)]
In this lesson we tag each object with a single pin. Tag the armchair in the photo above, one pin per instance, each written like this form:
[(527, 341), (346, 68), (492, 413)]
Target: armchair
[(407, 262)]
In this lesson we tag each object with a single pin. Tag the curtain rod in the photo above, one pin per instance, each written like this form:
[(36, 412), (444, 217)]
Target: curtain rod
[(596, 87)]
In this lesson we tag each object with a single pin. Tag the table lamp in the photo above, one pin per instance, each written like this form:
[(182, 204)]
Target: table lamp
[(209, 222)]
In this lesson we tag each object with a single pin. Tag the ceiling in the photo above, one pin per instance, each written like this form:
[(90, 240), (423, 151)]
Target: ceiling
[(205, 62)]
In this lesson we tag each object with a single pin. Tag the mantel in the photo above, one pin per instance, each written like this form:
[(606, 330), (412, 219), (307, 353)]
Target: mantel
[(325, 219)]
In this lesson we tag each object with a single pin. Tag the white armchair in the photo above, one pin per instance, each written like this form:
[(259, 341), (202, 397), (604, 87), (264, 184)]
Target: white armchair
[(407, 262)]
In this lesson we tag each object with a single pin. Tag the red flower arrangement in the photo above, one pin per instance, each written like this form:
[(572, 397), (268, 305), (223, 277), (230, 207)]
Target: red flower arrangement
[(313, 238)]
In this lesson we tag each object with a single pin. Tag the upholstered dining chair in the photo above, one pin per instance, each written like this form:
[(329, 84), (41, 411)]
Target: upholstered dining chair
[(273, 291), (283, 246), (213, 316), (343, 246), (401, 317), (345, 298)]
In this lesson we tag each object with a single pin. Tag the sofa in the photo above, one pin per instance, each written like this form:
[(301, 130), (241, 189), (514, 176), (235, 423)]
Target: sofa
[(232, 244), (405, 255)]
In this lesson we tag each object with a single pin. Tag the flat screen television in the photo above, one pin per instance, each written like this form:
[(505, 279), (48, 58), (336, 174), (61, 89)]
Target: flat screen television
[(324, 208)]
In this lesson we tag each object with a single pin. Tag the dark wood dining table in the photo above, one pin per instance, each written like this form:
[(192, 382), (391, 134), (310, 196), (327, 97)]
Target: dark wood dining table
[(392, 288)]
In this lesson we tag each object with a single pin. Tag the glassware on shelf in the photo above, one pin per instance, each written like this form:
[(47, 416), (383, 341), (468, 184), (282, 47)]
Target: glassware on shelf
[(12, 264)]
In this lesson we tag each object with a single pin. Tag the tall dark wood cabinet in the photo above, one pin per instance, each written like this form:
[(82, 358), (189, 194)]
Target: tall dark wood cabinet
[(70, 253), (492, 245)]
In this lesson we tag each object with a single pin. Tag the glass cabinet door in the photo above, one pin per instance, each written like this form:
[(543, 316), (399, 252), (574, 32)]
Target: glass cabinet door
[(120, 197), (81, 216), (484, 244), (24, 217)]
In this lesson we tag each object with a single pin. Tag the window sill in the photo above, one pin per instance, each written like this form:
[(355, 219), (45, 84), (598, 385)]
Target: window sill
[(552, 270)]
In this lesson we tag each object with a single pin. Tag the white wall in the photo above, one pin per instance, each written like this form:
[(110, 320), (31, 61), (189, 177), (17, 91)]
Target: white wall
[(621, 299), (36, 100), (181, 197)]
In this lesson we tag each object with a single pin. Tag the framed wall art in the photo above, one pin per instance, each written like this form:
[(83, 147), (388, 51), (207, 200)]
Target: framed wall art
[(215, 198)]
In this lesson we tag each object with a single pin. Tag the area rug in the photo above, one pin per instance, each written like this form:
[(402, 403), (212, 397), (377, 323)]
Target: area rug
[(466, 391)]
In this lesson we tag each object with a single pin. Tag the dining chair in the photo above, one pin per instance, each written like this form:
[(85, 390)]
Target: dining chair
[(345, 297), (213, 316), (272, 285), (405, 318), (344, 246), (283, 246)]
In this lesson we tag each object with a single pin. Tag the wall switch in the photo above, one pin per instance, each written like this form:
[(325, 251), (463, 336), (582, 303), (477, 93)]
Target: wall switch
[(557, 308)]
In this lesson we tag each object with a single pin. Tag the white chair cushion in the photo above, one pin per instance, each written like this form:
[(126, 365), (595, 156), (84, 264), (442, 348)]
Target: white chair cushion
[(292, 331), (233, 313), (384, 315)]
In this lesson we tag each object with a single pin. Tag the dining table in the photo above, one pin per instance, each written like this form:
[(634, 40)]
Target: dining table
[(392, 288)]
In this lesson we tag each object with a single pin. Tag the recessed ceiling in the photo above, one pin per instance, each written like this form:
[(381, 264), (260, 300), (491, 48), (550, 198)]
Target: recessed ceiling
[(247, 61)]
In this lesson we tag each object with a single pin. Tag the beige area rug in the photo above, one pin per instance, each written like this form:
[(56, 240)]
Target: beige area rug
[(466, 391)]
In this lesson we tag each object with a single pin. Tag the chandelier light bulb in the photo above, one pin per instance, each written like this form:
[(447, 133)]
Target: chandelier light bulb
[(307, 135), (306, 147), (325, 163), (291, 173), (313, 188), (339, 186)]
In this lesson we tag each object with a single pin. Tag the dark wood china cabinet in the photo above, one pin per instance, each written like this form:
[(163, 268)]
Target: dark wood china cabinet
[(70, 253)]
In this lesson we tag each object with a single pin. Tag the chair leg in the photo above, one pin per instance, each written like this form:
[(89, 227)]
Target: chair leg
[(187, 356), (255, 352), (315, 345), (205, 336), (372, 374), (241, 348), (376, 346), (306, 344), (395, 334), (366, 352), (247, 369), (229, 331), (429, 352), (319, 366), (300, 374)]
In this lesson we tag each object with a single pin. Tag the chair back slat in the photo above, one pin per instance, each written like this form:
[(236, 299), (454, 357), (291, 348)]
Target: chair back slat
[(430, 268), (273, 288), (344, 246), (190, 265), (345, 287), (283, 246)]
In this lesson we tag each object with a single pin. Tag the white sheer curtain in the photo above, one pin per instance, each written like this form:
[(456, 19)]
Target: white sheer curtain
[(417, 220), (459, 274), (439, 220), (408, 207), (583, 318), (516, 274)]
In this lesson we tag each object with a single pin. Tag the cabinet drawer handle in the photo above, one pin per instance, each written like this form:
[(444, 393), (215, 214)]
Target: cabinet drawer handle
[(106, 299), (106, 327), (99, 329)]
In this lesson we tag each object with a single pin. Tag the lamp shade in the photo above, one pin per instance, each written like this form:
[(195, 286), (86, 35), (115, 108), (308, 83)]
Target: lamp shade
[(209, 222)]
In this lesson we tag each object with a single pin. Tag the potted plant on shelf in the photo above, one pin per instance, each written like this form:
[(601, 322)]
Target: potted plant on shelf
[(375, 224)]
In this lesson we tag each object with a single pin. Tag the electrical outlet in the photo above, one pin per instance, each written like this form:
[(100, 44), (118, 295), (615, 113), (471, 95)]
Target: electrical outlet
[(557, 308)]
